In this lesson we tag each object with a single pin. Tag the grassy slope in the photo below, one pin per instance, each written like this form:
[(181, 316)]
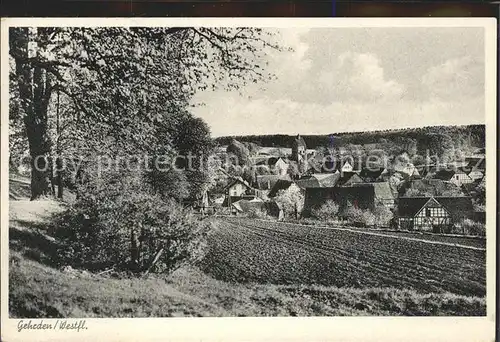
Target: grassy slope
[(37, 289)]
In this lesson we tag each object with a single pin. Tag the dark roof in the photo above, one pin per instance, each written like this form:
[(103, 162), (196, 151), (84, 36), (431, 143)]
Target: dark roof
[(431, 187), (281, 184), (381, 190), (319, 180), (269, 161), (236, 199), (445, 175), (410, 206), (349, 178), (267, 182), (460, 206), (477, 163)]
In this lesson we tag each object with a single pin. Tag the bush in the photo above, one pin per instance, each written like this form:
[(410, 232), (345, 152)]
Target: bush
[(116, 222), (367, 218), (359, 216), (469, 227), (383, 215), (291, 200), (328, 211)]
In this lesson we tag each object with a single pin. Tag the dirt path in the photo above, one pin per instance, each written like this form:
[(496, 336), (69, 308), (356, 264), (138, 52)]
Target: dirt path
[(33, 211)]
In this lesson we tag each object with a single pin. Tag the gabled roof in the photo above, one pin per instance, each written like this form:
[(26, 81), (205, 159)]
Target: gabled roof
[(269, 161), (239, 180), (267, 182), (349, 178), (431, 187), (281, 184), (457, 206), (477, 163), (319, 180), (445, 175), (381, 190), (410, 206)]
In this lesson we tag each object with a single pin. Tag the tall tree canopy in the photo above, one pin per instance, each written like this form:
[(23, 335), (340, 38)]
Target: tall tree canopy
[(119, 82)]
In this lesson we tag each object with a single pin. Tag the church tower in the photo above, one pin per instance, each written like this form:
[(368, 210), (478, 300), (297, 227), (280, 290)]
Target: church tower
[(299, 149)]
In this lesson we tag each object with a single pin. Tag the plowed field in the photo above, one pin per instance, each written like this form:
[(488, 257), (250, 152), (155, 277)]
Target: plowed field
[(245, 250)]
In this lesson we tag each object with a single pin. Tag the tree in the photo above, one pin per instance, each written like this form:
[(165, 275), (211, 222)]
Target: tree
[(35, 85), (383, 215), (328, 211), (239, 151), (120, 81), (291, 200)]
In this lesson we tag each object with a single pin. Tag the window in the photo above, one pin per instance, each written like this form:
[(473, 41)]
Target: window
[(427, 211)]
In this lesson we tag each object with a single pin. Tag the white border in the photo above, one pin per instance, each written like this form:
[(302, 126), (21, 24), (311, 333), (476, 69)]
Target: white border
[(279, 328)]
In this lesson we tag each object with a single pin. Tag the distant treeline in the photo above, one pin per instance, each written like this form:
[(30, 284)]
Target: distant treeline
[(473, 134)]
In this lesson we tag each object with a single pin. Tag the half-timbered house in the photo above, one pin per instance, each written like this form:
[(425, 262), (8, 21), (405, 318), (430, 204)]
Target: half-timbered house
[(436, 214)]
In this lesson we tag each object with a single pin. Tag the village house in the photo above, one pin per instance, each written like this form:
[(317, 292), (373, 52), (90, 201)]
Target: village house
[(344, 189), (429, 187), (244, 207), (265, 183), (347, 167), (238, 189), (409, 171), (458, 176), (283, 184), (436, 214), (275, 165)]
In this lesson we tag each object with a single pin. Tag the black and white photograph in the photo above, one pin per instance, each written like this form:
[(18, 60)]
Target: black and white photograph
[(161, 169)]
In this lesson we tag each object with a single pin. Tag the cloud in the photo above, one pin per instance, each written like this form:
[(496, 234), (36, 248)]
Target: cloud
[(337, 80), (238, 115), (361, 77), (456, 78)]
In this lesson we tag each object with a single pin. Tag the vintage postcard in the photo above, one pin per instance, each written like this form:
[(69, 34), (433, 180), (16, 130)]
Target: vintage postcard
[(248, 179)]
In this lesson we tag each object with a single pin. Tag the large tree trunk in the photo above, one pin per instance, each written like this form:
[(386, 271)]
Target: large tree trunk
[(34, 89), (59, 177)]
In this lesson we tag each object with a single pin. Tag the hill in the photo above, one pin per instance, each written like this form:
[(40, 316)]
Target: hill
[(472, 135)]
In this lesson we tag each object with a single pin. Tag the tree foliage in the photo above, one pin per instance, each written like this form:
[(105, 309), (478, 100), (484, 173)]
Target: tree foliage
[(291, 200), (328, 211), (121, 81)]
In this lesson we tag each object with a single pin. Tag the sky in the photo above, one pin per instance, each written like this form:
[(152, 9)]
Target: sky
[(357, 79)]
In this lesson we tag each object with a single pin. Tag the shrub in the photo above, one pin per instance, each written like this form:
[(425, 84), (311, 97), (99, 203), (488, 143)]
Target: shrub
[(328, 211), (291, 200), (359, 216), (367, 218), (353, 214), (383, 215), (469, 227), (116, 222)]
